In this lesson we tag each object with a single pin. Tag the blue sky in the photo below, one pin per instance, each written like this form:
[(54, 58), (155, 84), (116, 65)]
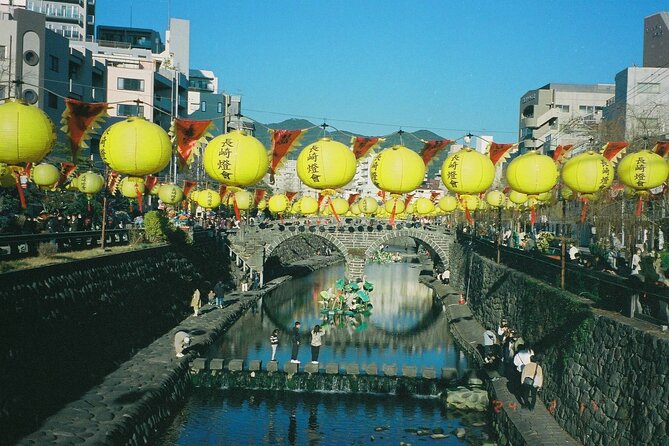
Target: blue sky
[(448, 66)]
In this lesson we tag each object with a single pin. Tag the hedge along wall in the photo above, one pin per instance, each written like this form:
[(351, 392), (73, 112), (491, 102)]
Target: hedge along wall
[(64, 327), (605, 374)]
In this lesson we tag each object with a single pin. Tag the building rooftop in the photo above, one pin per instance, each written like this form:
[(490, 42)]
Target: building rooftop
[(580, 88)]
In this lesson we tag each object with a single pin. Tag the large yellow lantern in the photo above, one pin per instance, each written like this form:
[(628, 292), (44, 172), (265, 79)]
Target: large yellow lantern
[(132, 187), (26, 133), (642, 170), (423, 206), (170, 194), (340, 205), (395, 204), (516, 197), (278, 203), (45, 175), (448, 203), (587, 173), (532, 173), (397, 170), (467, 172), (135, 147), (208, 199), (326, 164), (235, 159), (495, 198), (90, 183), (368, 205), (309, 205)]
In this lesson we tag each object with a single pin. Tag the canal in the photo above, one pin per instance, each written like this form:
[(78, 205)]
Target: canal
[(407, 326)]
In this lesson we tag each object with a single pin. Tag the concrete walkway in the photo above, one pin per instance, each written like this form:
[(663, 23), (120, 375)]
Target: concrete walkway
[(536, 427)]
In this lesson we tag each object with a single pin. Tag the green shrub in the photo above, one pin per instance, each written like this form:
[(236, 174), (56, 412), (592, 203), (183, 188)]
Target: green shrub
[(157, 228)]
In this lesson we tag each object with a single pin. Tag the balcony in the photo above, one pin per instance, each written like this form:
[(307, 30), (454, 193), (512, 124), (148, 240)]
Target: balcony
[(537, 122), (163, 102)]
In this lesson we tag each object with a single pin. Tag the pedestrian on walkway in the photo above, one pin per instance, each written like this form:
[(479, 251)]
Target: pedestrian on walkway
[(245, 284), (274, 342), (532, 379), (219, 289), (316, 335), (446, 276), (181, 343), (489, 341), (295, 343), (211, 296), (196, 301)]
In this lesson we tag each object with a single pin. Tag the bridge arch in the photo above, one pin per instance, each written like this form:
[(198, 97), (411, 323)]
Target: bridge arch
[(423, 236), (282, 237)]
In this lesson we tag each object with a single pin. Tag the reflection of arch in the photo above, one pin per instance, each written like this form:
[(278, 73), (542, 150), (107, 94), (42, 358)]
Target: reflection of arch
[(431, 244), (283, 237)]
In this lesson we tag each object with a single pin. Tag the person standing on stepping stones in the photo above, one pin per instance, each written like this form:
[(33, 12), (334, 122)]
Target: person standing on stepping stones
[(316, 343), (296, 343), (274, 342)]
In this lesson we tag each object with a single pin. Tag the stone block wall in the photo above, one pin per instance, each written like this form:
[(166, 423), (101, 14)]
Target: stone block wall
[(605, 374), (66, 326)]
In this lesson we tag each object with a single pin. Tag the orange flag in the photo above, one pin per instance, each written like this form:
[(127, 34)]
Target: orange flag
[(259, 195), (561, 151), (188, 133), (498, 152), (283, 141), (79, 119), (662, 148), (362, 145), (290, 196), (188, 186), (352, 198), (614, 149), (432, 149), (150, 182)]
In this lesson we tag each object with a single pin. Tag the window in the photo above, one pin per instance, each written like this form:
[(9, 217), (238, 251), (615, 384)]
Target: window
[(130, 110), (219, 107), (563, 108), (54, 63), (648, 87), (588, 109), (52, 100), (203, 106), (123, 83), (526, 132)]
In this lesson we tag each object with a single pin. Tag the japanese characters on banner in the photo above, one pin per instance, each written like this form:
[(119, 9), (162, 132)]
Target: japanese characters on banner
[(79, 120), (188, 134)]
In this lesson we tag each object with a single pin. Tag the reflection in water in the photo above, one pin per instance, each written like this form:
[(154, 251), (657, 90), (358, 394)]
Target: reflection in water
[(406, 326)]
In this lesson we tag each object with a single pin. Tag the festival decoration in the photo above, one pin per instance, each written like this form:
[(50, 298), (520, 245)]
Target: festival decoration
[(432, 148), (135, 147), (561, 152), (26, 133), (500, 152), (235, 159), (467, 172), (79, 120), (90, 183), (516, 197), (340, 206), (395, 205), (448, 203), (642, 171), (243, 200), (208, 199), (309, 205), (495, 198), (362, 145), (189, 135), (368, 205), (170, 194), (566, 193), (588, 173), (326, 165), (45, 176), (278, 203), (532, 173), (131, 187), (283, 142), (262, 205), (397, 170), (355, 209), (423, 206)]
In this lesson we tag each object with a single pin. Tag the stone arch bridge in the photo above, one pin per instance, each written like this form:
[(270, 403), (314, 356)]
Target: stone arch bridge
[(356, 242)]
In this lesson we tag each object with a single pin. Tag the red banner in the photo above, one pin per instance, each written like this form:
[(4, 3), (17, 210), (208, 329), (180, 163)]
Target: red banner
[(433, 196), (362, 145), (79, 119), (497, 152), (382, 194), (112, 182), (66, 171), (259, 195), (150, 182), (352, 198), (222, 189), (283, 141), (662, 148), (188, 186), (561, 151), (187, 134), (614, 149), (432, 149), (290, 196), (408, 200)]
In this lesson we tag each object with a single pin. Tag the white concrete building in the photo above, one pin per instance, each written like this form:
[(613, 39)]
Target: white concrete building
[(73, 19)]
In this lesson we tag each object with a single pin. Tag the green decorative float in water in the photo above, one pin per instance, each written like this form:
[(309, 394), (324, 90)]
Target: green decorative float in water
[(346, 298)]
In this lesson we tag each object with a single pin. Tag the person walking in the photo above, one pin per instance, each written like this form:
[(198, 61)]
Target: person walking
[(531, 380), (196, 301), (295, 343), (316, 335), (219, 289), (274, 342)]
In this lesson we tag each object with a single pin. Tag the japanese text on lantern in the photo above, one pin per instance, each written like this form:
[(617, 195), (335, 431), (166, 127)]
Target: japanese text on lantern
[(606, 174), (372, 170), (224, 154), (452, 171), (640, 172), (312, 167)]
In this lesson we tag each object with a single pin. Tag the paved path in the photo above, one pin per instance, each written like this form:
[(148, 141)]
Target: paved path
[(537, 427)]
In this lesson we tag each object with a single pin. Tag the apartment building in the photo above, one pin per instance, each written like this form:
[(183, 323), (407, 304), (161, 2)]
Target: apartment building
[(72, 19)]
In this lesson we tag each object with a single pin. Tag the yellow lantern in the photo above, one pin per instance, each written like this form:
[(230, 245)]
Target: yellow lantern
[(45, 175), (566, 193), (278, 203), (244, 200), (235, 159), (545, 197), (467, 172), (132, 187), (155, 190), (192, 196), (73, 184), (448, 203), (326, 164), (309, 205), (517, 197), (424, 206), (208, 199), (170, 194), (26, 133), (469, 202), (642, 170), (135, 147), (368, 205), (90, 183), (495, 198), (262, 204), (587, 173), (340, 205), (410, 209), (532, 173), (397, 170), (395, 204), (355, 209), (295, 208)]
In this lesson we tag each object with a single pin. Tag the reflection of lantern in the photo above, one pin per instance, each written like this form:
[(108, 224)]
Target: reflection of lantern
[(132, 187), (532, 173), (517, 197), (235, 159), (26, 133), (587, 173), (208, 199), (135, 147), (326, 164), (495, 198), (467, 172), (424, 206), (244, 200), (309, 205), (395, 203), (469, 202), (278, 203), (45, 175), (90, 183), (642, 170), (448, 203), (340, 205), (368, 205), (397, 170), (170, 193)]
